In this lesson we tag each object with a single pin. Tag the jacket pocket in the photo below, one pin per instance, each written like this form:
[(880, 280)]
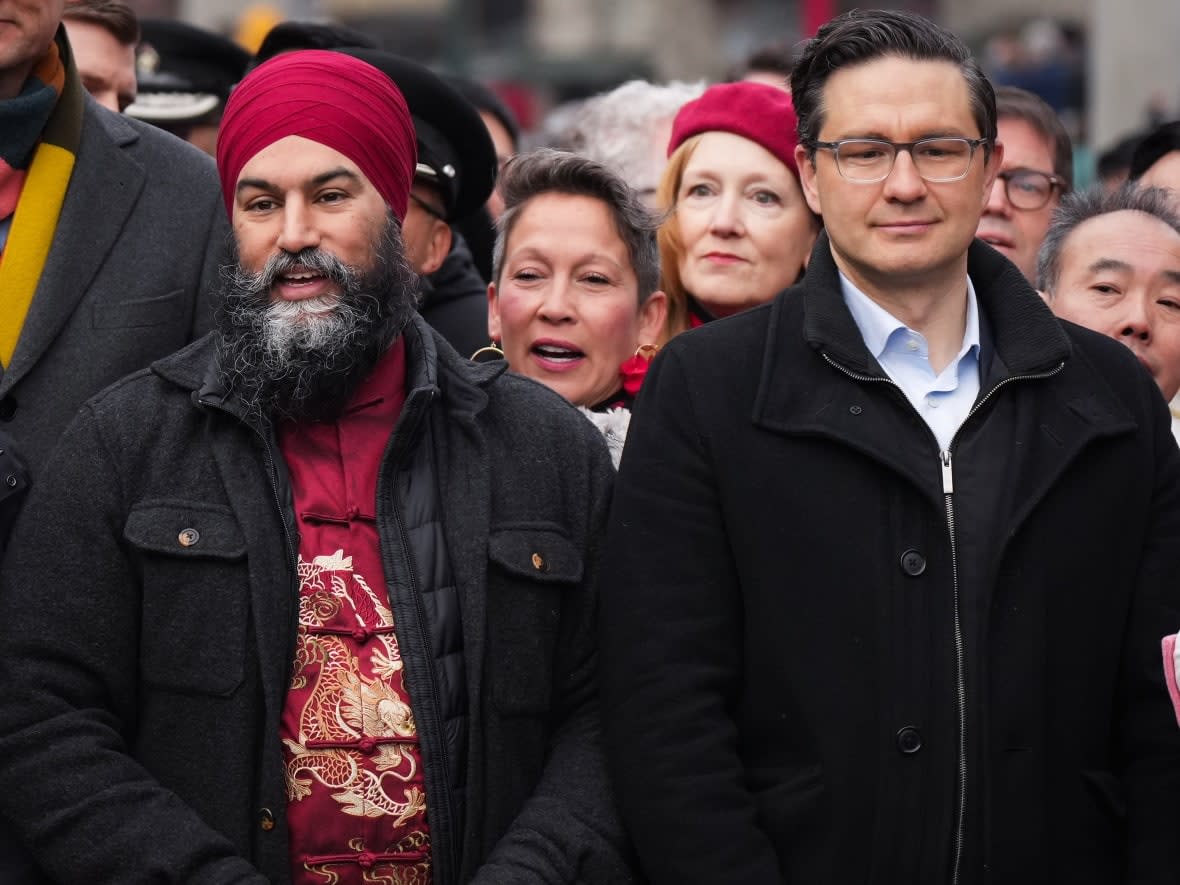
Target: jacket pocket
[(195, 596), (530, 569), (154, 311)]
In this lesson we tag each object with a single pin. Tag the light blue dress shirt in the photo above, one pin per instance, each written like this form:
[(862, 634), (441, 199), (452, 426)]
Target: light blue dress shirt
[(944, 399)]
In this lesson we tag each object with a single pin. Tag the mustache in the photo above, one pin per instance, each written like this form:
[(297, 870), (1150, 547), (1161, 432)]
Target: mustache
[(283, 262)]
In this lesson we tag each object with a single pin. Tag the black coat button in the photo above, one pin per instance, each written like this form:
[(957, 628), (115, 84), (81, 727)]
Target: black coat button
[(913, 563), (7, 408), (909, 740)]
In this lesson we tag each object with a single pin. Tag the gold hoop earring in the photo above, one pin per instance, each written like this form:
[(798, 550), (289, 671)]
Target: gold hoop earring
[(493, 349)]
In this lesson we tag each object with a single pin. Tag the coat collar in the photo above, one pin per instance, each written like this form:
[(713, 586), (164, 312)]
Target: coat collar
[(105, 183), (1022, 336)]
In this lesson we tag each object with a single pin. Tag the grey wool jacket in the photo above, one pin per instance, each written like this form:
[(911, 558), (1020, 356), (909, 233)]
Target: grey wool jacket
[(144, 678)]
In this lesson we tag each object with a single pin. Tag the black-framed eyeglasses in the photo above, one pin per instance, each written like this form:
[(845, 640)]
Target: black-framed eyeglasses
[(868, 160), (1028, 189)]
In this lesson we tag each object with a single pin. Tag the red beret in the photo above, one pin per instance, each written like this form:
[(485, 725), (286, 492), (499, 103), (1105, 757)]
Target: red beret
[(333, 99), (757, 111)]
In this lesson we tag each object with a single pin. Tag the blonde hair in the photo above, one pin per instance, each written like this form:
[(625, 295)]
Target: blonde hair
[(668, 238)]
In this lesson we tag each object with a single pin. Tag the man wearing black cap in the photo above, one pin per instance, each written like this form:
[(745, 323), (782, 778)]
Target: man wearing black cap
[(185, 74)]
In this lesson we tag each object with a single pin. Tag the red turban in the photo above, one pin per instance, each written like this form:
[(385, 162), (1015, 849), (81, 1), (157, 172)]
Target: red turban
[(333, 99)]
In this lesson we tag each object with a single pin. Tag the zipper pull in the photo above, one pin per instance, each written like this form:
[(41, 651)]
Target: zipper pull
[(948, 482)]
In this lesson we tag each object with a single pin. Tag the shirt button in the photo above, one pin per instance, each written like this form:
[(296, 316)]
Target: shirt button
[(909, 740), (932, 401), (367, 746), (539, 563), (913, 563), (911, 345), (266, 819), (188, 537)]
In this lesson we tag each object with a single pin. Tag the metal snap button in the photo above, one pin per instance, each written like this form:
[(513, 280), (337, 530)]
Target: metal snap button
[(188, 537)]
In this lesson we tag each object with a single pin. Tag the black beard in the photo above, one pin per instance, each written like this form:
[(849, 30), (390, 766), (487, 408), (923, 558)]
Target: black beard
[(303, 360)]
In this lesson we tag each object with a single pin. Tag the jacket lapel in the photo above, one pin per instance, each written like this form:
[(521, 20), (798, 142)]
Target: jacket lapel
[(104, 187)]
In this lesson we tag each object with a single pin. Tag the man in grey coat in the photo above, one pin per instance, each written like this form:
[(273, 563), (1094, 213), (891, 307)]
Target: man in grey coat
[(109, 229), (311, 600)]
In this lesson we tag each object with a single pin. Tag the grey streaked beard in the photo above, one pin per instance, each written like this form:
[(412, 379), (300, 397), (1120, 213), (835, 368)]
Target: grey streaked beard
[(303, 359)]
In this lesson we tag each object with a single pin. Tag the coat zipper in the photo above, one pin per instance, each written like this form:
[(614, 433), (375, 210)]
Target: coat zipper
[(443, 816), (948, 489)]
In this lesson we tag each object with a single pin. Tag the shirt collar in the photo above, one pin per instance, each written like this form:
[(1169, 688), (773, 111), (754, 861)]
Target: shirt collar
[(876, 324)]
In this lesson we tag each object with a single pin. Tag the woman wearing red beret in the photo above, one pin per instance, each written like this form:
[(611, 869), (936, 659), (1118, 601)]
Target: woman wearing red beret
[(739, 230)]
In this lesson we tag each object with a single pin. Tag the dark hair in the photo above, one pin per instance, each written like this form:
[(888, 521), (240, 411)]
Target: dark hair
[(548, 171), (1159, 143), (1116, 159), (864, 35), (1012, 101), (114, 16), (1078, 208)]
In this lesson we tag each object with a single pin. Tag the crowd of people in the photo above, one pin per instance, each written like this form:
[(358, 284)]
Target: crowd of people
[(766, 481)]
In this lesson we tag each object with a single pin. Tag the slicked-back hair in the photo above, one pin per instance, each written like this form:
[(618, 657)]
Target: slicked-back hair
[(1157, 144), (113, 16), (548, 171), (1020, 104), (1079, 207), (864, 35)]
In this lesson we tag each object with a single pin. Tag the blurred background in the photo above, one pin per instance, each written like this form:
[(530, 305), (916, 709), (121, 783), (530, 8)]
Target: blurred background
[(1109, 67)]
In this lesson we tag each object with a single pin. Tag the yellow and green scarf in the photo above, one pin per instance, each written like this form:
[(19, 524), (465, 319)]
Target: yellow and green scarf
[(39, 134)]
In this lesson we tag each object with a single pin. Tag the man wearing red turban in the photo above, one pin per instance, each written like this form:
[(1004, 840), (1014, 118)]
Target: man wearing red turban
[(311, 600)]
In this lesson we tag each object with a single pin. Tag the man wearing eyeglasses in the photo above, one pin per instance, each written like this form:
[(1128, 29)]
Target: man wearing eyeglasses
[(1037, 170), (892, 559)]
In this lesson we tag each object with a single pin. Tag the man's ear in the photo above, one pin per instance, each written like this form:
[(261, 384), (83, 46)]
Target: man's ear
[(493, 313), (805, 163), (437, 248)]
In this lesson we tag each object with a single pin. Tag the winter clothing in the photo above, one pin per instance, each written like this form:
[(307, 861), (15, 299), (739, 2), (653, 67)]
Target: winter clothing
[(136, 249), (147, 626), (832, 653)]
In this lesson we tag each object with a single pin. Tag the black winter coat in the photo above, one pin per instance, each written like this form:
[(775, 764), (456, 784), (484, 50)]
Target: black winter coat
[(833, 655), (144, 678)]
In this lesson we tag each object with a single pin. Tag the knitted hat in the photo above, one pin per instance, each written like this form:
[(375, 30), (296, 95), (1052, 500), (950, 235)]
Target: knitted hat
[(333, 99), (763, 114)]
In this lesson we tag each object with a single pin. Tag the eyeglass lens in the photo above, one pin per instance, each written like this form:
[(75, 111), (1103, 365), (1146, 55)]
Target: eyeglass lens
[(1028, 189), (936, 159)]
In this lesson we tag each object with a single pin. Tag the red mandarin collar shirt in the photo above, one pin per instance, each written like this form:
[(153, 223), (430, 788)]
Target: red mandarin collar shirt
[(356, 798)]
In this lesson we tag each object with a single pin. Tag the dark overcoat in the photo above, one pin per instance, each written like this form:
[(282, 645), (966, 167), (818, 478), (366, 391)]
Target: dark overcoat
[(833, 653), (129, 278), (144, 677)]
